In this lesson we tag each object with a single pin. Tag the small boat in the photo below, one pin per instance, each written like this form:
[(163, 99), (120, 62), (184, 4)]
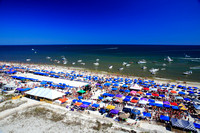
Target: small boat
[(35, 52), (65, 62), (82, 63), (28, 59), (127, 65), (142, 61), (187, 56), (96, 63), (58, 62), (48, 57), (153, 70), (110, 67), (163, 69), (168, 59), (121, 68), (32, 49), (97, 59), (124, 63), (144, 67), (73, 63), (164, 64), (187, 72), (79, 61)]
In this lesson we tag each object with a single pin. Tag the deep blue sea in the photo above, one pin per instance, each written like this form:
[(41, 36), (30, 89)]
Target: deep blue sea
[(114, 55)]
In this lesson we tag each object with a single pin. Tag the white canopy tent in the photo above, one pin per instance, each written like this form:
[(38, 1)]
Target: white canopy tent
[(136, 87), (45, 93)]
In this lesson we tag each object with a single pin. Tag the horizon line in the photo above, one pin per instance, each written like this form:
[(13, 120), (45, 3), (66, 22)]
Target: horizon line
[(99, 44)]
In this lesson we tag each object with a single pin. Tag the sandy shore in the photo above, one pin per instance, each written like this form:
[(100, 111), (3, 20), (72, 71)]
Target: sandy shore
[(19, 118), (33, 116)]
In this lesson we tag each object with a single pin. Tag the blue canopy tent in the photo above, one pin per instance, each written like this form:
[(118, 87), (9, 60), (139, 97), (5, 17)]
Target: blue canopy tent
[(127, 91), (105, 94), (186, 99), (135, 111), (100, 98), (166, 106), (116, 85), (86, 103), (196, 125), (95, 105), (151, 100), (111, 95), (152, 104), (181, 93), (75, 100), (25, 89), (125, 86), (148, 94), (165, 118), (128, 96), (158, 105), (80, 97), (146, 114), (114, 89), (175, 107), (126, 99)]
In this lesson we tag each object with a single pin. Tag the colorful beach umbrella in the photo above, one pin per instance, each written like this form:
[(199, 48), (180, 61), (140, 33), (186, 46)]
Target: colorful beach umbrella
[(81, 91), (110, 107)]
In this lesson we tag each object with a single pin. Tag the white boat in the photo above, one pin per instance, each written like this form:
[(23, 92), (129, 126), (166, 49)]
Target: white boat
[(35, 52), (73, 63), (144, 67), (168, 59), (110, 67), (79, 61), (163, 69), (121, 68), (124, 63), (82, 63), (187, 72), (32, 49), (187, 56), (97, 59), (96, 63), (127, 65), (65, 62), (153, 70), (164, 64), (142, 61), (48, 57), (28, 59)]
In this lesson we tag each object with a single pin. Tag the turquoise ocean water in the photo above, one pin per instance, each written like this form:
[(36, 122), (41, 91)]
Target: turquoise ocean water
[(185, 58)]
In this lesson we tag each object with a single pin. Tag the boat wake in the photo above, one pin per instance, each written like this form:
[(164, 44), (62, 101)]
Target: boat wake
[(190, 58), (197, 67)]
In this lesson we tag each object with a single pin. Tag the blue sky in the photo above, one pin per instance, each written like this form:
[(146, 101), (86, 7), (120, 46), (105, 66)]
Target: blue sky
[(100, 22)]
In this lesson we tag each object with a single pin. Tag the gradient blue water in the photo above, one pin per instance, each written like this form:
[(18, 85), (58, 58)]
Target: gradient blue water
[(114, 55)]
